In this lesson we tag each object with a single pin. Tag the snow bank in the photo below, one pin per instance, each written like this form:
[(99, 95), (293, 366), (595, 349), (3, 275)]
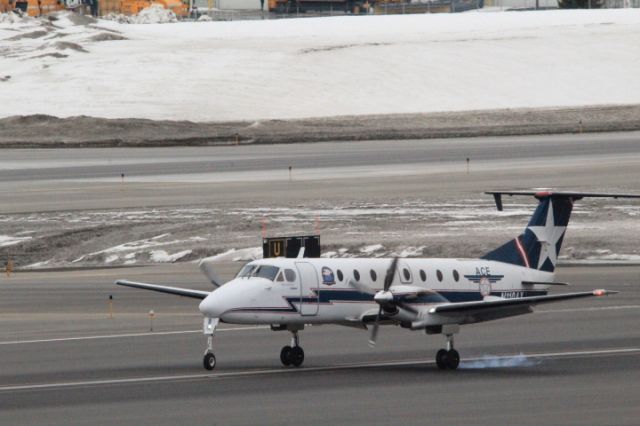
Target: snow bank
[(314, 67), (154, 14), (161, 256), (236, 255), (7, 240), (11, 18)]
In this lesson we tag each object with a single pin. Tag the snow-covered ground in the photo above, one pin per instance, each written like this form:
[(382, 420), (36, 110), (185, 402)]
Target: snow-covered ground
[(406, 228), (217, 71)]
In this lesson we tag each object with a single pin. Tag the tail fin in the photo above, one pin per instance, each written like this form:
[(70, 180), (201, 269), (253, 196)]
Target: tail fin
[(539, 245)]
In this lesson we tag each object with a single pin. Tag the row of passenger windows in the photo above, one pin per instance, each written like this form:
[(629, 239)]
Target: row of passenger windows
[(269, 272), (406, 274)]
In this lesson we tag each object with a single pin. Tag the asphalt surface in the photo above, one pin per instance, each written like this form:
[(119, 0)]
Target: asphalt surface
[(74, 179), (65, 361)]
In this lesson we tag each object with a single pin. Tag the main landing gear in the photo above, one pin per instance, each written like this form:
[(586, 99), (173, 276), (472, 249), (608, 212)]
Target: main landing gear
[(448, 359), (292, 354)]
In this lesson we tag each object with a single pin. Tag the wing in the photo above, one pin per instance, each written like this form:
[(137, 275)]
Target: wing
[(471, 312), (196, 294)]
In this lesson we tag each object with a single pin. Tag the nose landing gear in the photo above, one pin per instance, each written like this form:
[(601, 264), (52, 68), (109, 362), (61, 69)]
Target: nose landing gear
[(209, 360), (292, 354)]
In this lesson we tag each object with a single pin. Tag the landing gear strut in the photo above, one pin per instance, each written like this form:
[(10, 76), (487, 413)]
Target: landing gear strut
[(209, 360), (448, 359), (292, 354)]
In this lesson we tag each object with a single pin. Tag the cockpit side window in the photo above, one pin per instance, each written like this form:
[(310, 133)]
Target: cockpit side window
[(280, 277), (290, 275)]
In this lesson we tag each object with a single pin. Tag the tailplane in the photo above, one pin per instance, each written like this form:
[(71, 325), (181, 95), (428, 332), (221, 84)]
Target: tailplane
[(539, 245)]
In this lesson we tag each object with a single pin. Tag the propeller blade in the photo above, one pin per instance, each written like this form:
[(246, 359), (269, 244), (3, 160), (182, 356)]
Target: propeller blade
[(407, 307), (374, 329), (362, 288), (388, 279)]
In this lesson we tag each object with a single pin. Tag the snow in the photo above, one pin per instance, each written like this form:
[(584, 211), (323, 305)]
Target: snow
[(161, 256), (371, 249), (11, 18), (154, 14), (7, 240), (217, 71), (236, 255)]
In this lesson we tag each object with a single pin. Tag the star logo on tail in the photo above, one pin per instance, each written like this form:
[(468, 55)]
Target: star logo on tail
[(548, 236)]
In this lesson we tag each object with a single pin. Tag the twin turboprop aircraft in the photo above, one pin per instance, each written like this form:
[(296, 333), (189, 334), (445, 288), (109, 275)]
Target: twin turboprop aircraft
[(436, 296)]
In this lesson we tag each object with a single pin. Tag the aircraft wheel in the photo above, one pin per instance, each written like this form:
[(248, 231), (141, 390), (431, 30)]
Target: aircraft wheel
[(452, 359), (285, 356), (209, 361), (441, 359), (297, 356)]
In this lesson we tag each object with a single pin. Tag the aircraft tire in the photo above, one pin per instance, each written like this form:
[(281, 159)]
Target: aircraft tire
[(285, 356), (441, 356), (209, 361), (452, 359), (297, 356)]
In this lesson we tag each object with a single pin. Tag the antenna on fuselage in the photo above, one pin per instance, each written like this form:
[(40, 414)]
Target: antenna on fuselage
[(300, 253)]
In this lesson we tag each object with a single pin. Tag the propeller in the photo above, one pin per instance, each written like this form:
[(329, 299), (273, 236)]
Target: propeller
[(383, 298)]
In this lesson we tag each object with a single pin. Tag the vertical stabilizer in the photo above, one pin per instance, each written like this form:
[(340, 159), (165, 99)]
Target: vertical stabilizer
[(539, 245)]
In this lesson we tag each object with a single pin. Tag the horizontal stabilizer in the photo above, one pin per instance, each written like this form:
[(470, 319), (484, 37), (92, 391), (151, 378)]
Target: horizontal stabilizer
[(196, 294), (497, 195)]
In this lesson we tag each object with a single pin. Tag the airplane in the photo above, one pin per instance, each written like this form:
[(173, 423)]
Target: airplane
[(436, 296)]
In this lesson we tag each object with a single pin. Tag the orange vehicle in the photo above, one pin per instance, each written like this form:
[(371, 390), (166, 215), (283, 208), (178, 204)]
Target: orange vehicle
[(32, 7)]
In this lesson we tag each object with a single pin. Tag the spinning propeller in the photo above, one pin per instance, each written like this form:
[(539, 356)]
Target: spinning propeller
[(384, 298)]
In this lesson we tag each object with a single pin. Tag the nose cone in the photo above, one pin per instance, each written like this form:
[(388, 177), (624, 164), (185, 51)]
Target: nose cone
[(211, 306)]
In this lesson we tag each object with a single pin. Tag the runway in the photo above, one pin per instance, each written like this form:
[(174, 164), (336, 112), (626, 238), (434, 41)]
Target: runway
[(37, 180), (65, 361)]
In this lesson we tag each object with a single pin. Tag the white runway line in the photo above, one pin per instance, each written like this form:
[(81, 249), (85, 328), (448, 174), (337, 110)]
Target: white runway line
[(166, 333), (140, 380), (119, 336)]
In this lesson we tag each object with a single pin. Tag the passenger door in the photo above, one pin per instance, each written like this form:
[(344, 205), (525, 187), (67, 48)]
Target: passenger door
[(309, 288)]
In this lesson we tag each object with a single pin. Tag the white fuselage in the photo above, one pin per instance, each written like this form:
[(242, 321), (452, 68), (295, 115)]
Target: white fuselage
[(319, 289)]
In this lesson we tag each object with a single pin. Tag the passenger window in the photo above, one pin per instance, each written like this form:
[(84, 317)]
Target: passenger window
[(340, 277), (407, 274), (356, 275), (290, 275), (439, 274), (423, 275), (280, 278), (373, 275), (456, 275)]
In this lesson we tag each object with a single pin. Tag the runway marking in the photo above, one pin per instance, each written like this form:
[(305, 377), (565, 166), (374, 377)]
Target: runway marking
[(140, 380), (166, 333), (600, 308), (118, 336)]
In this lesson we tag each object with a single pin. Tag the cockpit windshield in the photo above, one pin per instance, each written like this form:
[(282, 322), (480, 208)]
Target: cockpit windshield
[(266, 271), (246, 271), (261, 271)]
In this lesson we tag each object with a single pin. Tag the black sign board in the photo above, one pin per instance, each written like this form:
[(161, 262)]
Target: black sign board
[(290, 246)]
